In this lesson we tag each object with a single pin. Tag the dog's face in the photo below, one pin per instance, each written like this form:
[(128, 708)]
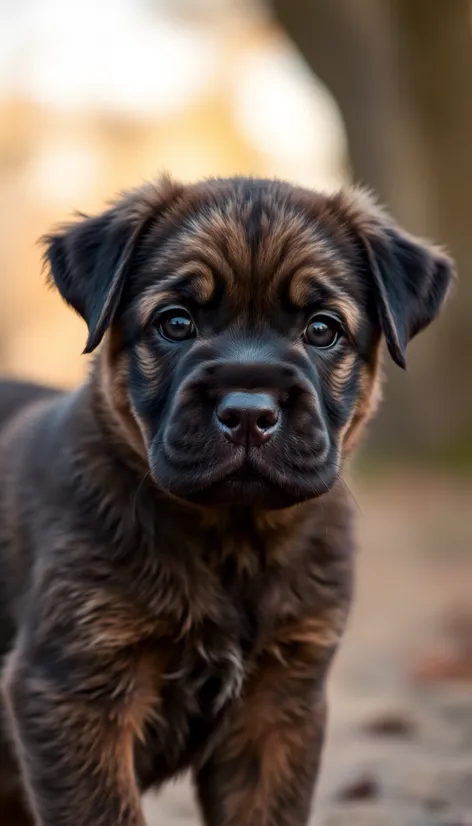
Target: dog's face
[(245, 319)]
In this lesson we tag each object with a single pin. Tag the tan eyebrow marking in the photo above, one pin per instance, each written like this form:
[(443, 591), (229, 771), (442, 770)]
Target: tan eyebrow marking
[(203, 281), (338, 299), (149, 300), (203, 285), (346, 308), (303, 281), (203, 250), (286, 246)]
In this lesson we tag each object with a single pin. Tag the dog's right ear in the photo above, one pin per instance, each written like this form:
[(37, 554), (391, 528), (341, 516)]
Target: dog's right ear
[(89, 259), (408, 277)]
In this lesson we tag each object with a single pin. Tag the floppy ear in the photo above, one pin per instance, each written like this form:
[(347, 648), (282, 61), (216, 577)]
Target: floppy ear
[(89, 259), (410, 277)]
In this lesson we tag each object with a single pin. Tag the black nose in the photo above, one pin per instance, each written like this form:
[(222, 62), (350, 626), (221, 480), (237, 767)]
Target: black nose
[(248, 418)]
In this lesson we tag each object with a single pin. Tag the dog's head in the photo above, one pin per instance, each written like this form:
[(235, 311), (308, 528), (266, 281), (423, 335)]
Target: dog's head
[(245, 319)]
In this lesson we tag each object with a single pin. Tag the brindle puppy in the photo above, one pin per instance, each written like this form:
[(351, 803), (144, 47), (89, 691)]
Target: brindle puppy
[(176, 547)]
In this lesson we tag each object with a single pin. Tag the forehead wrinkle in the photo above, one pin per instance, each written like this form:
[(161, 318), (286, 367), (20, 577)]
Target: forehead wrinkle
[(296, 244), (221, 228), (324, 259), (288, 268), (200, 240), (237, 246), (203, 250), (280, 236)]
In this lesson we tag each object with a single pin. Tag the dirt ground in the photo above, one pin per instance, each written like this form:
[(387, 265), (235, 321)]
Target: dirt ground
[(399, 750)]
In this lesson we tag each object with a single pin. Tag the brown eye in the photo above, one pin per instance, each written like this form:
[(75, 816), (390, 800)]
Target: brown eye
[(175, 324), (323, 331)]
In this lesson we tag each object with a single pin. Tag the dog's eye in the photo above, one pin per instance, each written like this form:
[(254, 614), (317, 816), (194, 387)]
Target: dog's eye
[(323, 331), (175, 324)]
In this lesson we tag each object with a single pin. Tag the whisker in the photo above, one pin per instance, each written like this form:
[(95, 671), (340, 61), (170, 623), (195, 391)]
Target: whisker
[(349, 491), (338, 468)]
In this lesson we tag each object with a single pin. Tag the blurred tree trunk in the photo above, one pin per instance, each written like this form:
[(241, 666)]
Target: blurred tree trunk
[(401, 72)]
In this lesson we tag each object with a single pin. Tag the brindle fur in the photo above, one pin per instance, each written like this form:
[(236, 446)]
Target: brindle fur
[(152, 622)]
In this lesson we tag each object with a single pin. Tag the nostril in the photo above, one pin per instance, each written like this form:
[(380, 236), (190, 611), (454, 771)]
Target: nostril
[(267, 420), (229, 419)]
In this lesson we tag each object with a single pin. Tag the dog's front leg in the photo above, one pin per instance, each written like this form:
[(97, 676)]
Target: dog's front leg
[(263, 772), (74, 737)]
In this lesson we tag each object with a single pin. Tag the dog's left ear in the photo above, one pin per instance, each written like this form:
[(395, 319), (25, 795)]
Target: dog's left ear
[(89, 259), (410, 277)]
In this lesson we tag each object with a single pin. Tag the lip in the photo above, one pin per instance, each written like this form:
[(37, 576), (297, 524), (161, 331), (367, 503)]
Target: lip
[(247, 486), (243, 490), (245, 473), (249, 479)]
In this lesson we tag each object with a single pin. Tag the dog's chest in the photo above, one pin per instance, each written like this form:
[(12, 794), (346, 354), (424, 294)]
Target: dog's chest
[(204, 675), (194, 698)]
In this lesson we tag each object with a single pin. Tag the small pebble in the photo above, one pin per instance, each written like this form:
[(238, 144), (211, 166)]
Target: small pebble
[(434, 804), (393, 724), (365, 787)]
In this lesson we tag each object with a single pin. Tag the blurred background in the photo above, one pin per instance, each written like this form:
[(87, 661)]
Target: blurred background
[(98, 96)]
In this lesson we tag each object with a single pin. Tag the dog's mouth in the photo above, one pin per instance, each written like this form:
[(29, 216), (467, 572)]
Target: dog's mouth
[(244, 486), (245, 474), (255, 484)]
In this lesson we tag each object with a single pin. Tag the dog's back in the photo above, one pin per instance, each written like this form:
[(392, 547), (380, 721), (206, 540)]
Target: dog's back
[(14, 395)]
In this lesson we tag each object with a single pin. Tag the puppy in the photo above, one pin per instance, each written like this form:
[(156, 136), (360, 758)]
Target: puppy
[(175, 542)]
